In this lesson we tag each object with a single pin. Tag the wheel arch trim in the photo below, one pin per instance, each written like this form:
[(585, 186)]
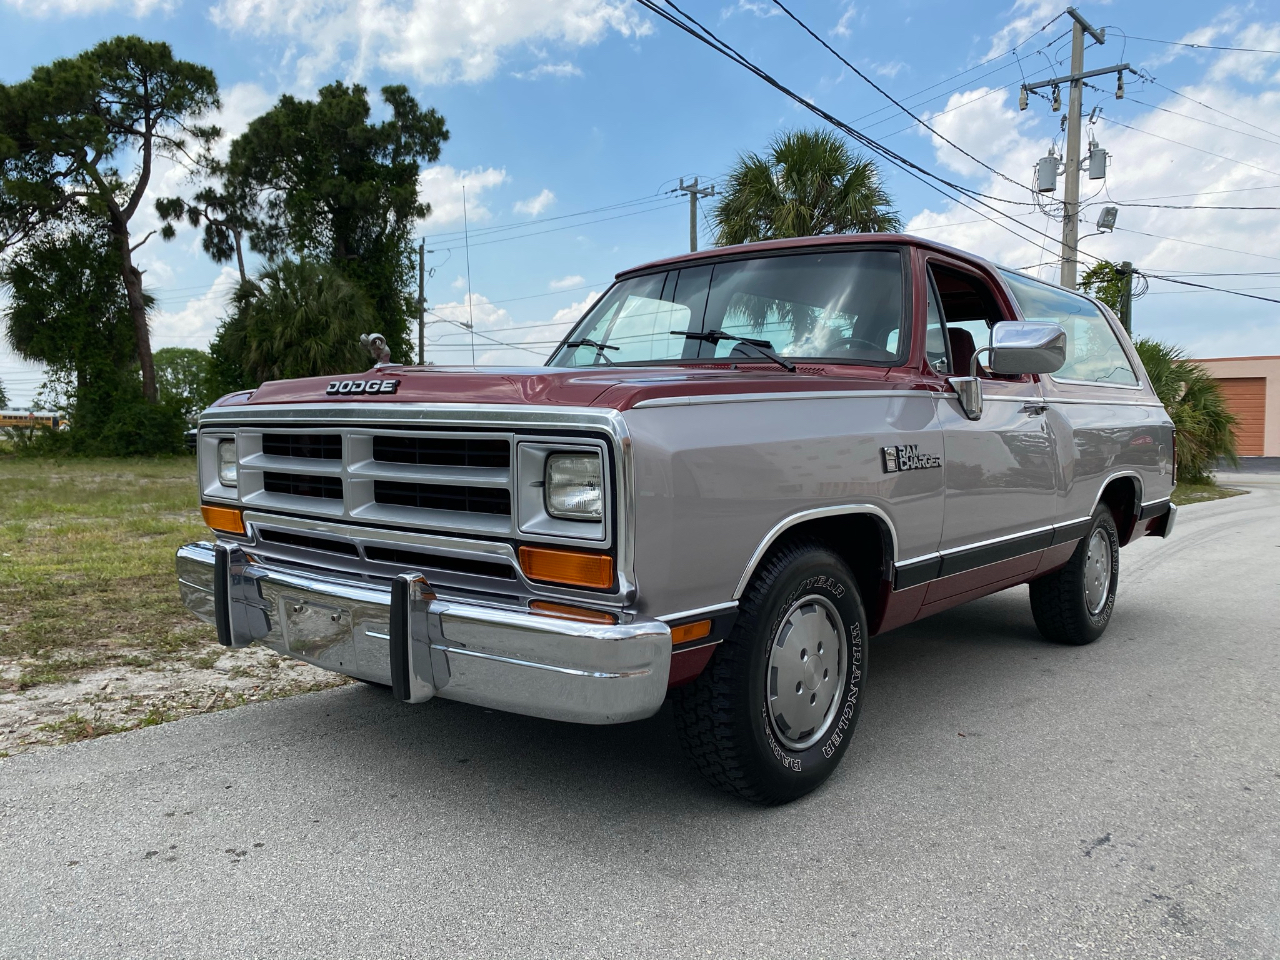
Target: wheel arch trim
[(804, 516), (1118, 475)]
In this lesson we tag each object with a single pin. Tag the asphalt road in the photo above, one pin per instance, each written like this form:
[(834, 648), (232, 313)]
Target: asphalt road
[(1002, 798)]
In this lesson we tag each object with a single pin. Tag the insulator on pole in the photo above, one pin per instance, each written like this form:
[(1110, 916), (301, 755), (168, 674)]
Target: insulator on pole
[(1120, 85), (1022, 99), (1056, 103)]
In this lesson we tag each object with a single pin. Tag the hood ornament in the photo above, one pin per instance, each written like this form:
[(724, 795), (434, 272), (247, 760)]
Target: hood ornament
[(377, 346)]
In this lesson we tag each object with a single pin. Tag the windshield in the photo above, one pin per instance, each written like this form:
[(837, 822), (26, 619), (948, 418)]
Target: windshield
[(842, 306)]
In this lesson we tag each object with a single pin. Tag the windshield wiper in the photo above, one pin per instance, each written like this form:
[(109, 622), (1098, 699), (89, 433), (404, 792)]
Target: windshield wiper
[(600, 348), (715, 336)]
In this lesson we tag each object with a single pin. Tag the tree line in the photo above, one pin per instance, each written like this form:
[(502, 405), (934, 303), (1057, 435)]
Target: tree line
[(325, 194), (328, 198)]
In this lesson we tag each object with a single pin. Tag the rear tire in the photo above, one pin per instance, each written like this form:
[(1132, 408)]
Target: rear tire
[(773, 713), (1074, 605)]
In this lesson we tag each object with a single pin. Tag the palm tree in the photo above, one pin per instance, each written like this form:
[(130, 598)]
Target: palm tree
[(809, 182), (299, 319), (1194, 402)]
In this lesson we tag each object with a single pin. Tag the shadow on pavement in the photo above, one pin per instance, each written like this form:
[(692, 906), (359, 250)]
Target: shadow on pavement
[(984, 651)]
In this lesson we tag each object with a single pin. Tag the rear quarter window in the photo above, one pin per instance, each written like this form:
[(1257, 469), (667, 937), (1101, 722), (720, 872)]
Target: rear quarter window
[(1094, 354)]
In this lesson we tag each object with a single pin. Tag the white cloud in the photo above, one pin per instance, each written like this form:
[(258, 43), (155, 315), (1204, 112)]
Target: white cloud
[(1032, 15), (521, 343), (44, 8), (573, 313), (844, 26), (562, 70), (194, 324), (241, 104), (759, 8), (441, 186), (889, 70), (535, 205), (567, 283), (435, 41)]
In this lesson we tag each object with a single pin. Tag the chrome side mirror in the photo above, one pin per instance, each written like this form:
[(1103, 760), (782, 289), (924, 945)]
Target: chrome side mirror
[(1018, 347), (969, 392)]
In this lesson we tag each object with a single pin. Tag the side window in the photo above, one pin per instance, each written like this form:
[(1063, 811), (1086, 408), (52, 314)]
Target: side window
[(969, 311), (935, 334), (1094, 354)]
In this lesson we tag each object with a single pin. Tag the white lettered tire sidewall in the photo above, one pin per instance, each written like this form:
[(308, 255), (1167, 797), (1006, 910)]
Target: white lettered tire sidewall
[(791, 772)]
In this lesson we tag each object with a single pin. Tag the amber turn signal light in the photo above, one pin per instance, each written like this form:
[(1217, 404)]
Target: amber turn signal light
[(226, 519), (567, 612), (567, 566), (690, 631)]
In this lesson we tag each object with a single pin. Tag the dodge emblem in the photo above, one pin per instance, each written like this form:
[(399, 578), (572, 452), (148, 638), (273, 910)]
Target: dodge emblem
[(352, 388)]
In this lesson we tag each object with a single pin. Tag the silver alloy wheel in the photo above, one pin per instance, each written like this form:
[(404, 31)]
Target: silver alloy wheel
[(805, 672), (1097, 572)]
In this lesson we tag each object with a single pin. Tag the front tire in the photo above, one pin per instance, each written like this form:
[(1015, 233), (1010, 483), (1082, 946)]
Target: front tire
[(772, 715), (1074, 605)]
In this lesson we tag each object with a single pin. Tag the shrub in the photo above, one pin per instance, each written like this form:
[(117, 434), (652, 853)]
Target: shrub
[(1195, 404)]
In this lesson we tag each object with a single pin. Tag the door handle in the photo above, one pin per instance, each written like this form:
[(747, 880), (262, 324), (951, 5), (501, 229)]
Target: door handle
[(1034, 408)]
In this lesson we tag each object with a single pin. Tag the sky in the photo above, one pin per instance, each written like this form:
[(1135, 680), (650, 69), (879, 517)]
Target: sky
[(572, 121)]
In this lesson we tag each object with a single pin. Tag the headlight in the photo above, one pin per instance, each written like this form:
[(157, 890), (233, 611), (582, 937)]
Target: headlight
[(575, 486), (227, 468)]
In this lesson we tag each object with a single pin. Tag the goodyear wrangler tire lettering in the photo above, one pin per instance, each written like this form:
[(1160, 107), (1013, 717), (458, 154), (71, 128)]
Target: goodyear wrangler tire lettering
[(772, 714)]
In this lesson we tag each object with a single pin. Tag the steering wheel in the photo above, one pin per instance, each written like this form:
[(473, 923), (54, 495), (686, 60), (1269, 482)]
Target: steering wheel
[(845, 343)]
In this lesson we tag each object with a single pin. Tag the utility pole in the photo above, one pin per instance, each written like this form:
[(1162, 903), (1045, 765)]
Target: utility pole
[(1126, 297), (694, 193), (1071, 162), (422, 300)]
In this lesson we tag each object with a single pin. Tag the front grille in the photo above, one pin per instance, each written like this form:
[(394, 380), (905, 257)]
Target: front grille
[(443, 452), (419, 478), (309, 543), (436, 561), (437, 496), (309, 446), (300, 485)]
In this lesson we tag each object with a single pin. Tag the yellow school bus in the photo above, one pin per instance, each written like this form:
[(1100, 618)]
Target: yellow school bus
[(30, 420)]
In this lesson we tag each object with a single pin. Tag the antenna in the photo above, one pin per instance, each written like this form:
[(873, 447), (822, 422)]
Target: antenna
[(466, 236)]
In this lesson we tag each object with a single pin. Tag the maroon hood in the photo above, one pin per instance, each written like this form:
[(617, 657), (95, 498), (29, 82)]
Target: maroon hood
[(620, 388)]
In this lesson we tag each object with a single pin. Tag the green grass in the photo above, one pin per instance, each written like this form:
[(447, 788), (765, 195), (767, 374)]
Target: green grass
[(1185, 493), (86, 566)]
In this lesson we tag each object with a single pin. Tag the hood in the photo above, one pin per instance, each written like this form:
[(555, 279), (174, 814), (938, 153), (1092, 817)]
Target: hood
[(619, 389)]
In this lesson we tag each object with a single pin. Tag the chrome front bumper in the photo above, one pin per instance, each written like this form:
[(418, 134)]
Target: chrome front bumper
[(424, 646)]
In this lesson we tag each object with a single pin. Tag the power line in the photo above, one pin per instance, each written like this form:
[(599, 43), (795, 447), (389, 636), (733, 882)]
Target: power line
[(474, 332), (499, 228), (1188, 283), (1179, 143), (1187, 116), (1203, 193), (976, 66), (1201, 103), (912, 169), (1207, 246), (884, 93), (1201, 46), (1213, 290), (572, 226), (1187, 206)]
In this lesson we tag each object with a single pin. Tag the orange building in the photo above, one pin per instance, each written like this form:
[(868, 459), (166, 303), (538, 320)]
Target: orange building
[(1251, 386)]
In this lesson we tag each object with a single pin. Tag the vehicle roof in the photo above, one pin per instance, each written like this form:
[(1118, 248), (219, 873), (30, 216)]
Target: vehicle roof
[(802, 243)]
